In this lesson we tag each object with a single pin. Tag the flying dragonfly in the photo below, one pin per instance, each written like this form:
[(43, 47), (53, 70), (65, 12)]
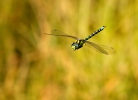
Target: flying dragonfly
[(78, 43)]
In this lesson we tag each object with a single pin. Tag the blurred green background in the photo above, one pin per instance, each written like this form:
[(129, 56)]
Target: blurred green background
[(34, 66)]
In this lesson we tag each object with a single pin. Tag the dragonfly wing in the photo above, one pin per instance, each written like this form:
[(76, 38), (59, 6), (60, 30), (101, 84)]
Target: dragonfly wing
[(101, 48), (59, 33)]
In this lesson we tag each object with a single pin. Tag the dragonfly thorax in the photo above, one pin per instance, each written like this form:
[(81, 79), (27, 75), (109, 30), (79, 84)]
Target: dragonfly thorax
[(77, 44)]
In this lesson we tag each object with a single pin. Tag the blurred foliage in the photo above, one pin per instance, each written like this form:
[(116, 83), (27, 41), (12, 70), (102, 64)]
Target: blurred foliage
[(34, 66)]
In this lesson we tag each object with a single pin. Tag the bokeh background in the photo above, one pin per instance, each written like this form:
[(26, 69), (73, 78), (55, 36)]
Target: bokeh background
[(35, 66)]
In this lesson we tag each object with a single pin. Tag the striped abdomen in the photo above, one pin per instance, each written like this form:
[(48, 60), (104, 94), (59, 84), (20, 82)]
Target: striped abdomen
[(94, 33)]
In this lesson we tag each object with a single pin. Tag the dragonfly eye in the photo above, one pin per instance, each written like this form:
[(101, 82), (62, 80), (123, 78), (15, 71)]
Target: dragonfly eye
[(74, 46)]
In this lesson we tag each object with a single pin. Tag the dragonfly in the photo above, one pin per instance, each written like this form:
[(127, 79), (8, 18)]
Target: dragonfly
[(78, 43)]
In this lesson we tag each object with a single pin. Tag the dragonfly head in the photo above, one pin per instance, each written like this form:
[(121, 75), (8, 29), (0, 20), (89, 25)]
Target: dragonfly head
[(74, 46)]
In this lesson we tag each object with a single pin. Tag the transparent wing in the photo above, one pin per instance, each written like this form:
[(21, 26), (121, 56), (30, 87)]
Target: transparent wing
[(59, 33), (101, 48)]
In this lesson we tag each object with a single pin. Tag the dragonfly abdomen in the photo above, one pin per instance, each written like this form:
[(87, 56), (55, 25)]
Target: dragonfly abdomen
[(94, 33)]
